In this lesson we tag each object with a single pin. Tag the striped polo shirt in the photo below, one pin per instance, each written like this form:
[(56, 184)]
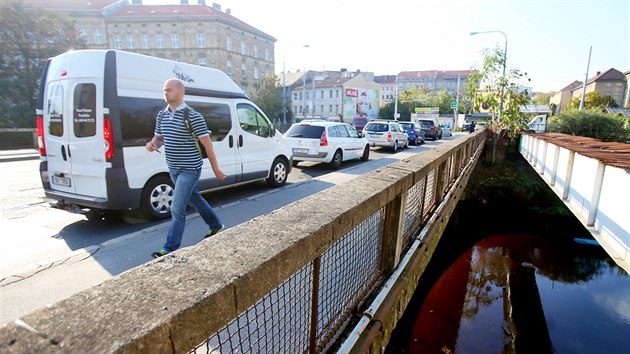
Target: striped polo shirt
[(179, 146)]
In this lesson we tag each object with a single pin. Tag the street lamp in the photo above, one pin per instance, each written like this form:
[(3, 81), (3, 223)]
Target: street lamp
[(504, 63), (284, 88)]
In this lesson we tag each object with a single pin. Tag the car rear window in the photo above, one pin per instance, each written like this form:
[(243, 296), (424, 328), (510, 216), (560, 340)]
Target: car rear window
[(426, 123), (406, 125), (377, 127), (305, 131), (359, 121)]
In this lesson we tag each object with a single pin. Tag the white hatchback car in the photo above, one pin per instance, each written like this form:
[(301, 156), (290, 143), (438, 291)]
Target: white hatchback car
[(386, 133), (329, 142)]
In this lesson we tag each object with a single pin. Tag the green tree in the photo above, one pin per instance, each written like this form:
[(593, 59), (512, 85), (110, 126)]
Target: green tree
[(28, 37), (268, 98), (593, 100), (488, 84), (591, 123)]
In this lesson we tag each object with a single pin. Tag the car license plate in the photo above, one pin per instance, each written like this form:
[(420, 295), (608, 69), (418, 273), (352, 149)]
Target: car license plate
[(300, 151), (61, 181)]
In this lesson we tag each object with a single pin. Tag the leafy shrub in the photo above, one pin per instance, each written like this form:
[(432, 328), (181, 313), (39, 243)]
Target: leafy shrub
[(592, 124)]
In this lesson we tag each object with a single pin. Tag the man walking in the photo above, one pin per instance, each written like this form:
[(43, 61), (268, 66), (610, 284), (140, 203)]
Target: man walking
[(184, 163)]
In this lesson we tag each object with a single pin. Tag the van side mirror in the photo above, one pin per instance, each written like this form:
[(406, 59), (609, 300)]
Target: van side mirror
[(272, 130)]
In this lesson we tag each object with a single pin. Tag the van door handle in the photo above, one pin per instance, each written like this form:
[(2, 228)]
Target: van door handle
[(69, 152), (240, 141), (231, 141), (63, 152)]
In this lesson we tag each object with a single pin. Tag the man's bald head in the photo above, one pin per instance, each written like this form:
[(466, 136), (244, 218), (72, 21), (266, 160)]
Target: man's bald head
[(174, 92)]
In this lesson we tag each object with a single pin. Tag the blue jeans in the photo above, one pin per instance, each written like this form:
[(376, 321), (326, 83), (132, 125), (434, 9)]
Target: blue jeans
[(186, 192)]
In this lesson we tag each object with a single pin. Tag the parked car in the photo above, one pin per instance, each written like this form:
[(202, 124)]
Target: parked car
[(359, 123), (386, 133), (328, 142), (414, 131), (446, 130), (431, 128)]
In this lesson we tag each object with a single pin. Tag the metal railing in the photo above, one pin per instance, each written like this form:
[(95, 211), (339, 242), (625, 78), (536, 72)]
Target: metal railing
[(290, 281)]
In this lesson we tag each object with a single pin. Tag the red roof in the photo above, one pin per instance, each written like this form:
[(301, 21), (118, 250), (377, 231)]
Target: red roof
[(72, 5)]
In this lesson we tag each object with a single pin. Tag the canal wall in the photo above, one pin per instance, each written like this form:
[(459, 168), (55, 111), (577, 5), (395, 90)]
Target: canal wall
[(334, 269), (593, 180)]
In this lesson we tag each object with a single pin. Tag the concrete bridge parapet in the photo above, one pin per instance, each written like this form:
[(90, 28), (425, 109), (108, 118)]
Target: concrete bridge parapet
[(288, 281)]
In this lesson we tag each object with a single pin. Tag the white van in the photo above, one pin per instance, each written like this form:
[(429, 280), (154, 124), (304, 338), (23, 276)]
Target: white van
[(96, 110), (538, 124)]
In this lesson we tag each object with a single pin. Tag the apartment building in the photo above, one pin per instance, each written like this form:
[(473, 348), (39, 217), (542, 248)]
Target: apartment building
[(387, 88), (611, 82), (338, 95), (190, 33), (561, 100), (434, 80)]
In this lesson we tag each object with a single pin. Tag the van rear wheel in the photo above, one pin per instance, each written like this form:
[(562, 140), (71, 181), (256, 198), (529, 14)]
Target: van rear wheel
[(278, 173), (157, 198)]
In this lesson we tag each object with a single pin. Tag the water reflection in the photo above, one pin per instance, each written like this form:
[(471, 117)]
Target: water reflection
[(522, 294)]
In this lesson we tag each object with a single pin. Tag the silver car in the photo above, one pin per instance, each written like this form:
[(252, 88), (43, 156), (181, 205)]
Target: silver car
[(386, 133)]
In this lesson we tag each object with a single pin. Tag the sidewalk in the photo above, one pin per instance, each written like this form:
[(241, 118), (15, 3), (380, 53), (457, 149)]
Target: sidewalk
[(18, 155)]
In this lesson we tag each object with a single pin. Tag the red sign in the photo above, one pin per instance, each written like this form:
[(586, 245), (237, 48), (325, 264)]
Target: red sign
[(352, 93)]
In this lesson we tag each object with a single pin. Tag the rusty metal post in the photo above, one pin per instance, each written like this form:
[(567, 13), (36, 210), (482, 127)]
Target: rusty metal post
[(314, 306), (392, 233)]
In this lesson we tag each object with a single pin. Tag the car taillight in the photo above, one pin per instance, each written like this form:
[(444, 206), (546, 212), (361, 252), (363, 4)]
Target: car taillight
[(40, 135), (108, 137), (389, 136), (413, 131), (323, 141)]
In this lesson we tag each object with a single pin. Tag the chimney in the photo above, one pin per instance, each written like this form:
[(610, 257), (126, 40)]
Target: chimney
[(136, 2), (201, 2), (184, 2), (228, 11), (598, 73), (216, 6)]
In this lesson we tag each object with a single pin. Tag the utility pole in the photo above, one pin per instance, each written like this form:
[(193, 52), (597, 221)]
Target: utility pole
[(585, 79)]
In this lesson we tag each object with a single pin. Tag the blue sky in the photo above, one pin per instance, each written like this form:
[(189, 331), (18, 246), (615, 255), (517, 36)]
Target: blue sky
[(548, 39)]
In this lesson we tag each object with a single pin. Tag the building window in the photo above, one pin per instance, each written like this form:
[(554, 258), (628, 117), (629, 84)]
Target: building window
[(243, 48), (84, 36), (330, 95), (229, 67), (255, 51), (201, 40), (97, 36), (295, 96), (336, 93), (301, 109), (330, 109), (117, 43), (306, 93), (321, 94), (300, 96), (244, 70), (145, 41), (321, 109), (159, 41), (130, 41), (256, 75), (229, 43), (267, 56), (174, 40), (337, 109), (202, 61)]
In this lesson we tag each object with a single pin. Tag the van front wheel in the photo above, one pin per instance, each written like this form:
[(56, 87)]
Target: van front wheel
[(157, 198), (279, 173)]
